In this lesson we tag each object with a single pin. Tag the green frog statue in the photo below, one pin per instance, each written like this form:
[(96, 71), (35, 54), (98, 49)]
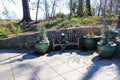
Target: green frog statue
[(63, 41)]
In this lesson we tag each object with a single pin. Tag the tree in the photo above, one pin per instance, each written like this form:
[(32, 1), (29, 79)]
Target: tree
[(80, 8), (118, 24), (105, 5), (99, 9), (26, 12), (71, 8), (88, 7), (111, 5), (53, 8), (37, 9)]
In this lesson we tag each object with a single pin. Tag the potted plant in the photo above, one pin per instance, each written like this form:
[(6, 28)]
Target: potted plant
[(106, 47), (42, 43), (90, 41)]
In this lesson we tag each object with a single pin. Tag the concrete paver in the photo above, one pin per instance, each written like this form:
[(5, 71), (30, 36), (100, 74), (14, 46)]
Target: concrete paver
[(69, 65)]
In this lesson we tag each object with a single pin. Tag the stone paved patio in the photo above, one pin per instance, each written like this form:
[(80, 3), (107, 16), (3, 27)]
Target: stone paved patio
[(70, 65)]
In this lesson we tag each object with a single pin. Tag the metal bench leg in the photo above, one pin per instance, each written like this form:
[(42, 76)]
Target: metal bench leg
[(63, 47)]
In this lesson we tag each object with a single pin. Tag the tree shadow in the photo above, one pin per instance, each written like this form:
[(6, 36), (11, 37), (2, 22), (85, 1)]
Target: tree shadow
[(53, 53), (20, 55), (99, 62)]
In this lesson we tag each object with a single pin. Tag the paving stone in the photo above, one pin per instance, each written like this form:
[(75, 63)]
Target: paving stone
[(21, 69), (62, 68), (66, 59), (84, 69), (34, 60), (30, 76), (57, 78), (46, 74), (5, 67), (69, 65), (53, 62), (6, 74), (73, 75), (41, 65), (75, 64), (101, 76), (46, 57)]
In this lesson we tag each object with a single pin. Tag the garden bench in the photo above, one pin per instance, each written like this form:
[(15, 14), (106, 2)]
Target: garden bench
[(71, 40)]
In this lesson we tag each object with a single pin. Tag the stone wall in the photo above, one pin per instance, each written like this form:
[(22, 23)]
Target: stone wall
[(26, 40)]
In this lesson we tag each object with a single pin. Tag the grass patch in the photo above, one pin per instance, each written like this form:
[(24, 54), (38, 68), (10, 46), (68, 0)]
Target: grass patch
[(75, 21)]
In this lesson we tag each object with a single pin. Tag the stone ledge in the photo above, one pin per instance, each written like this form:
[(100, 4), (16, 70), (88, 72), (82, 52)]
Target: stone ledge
[(26, 40)]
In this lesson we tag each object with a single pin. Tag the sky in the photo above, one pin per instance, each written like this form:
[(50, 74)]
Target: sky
[(17, 9)]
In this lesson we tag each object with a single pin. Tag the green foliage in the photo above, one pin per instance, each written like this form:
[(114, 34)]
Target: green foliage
[(60, 15), (42, 37), (16, 29), (106, 33), (75, 21), (91, 35), (87, 21), (4, 32), (85, 11), (49, 24)]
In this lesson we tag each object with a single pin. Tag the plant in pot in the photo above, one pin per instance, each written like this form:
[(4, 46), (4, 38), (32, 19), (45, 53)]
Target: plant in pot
[(42, 42), (90, 41), (106, 47)]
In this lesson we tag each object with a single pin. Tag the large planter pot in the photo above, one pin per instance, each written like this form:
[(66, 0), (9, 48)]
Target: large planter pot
[(91, 43), (42, 47), (117, 52), (106, 51)]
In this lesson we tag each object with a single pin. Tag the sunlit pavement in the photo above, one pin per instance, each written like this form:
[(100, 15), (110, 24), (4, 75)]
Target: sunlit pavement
[(68, 65)]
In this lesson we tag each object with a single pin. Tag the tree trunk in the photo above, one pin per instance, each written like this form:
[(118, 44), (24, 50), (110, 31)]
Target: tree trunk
[(99, 10), (37, 10), (111, 5), (105, 5), (80, 8), (118, 6), (88, 7), (116, 10), (26, 12), (53, 9), (46, 9), (71, 8)]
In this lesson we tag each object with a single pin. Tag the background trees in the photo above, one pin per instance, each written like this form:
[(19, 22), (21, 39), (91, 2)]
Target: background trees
[(80, 8), (88, 5), (49, 8), (26, 12)]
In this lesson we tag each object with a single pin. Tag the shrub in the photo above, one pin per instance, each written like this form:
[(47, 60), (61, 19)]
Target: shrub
[(16, 29), (49, 24), (4, 31), (75, 21), (86, 21), (85, 11), (60, 15)]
